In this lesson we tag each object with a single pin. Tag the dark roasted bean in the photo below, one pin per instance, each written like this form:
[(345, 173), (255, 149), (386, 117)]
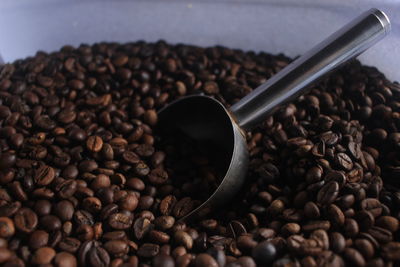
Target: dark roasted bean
[(264, 252), (148, 250), (26, 220), (7, 228), (328, 193), (88, 179)]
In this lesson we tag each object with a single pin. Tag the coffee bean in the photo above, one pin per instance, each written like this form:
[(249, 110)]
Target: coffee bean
[(391, 250), (162, 260), (336, 215), (388, 222), (183, 207), (158, 176), (5, 255), (69, 244), (264, 252), (311, 210), (314, 225), (65, 259), (98, 256), (351, 228), (79, 149), (117, 248), (236, 228), (321, 236), (380, 234), (141, 227), (38, 239), (7, 160), (290, 229), (10, 209), (66, 189), (64, 210), (7, 228), (25, 220), (148, 250), (183, 239), (204, 259), (365, 248), (50, 222), (158, 237), (120, 221), (83, 217), (43, 255), (164, 222), (94, 143), (372, 205), (365, 219), (328, 193), (354, 257)]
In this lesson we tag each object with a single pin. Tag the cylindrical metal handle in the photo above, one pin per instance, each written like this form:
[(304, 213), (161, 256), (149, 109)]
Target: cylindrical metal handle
[(345, 44)]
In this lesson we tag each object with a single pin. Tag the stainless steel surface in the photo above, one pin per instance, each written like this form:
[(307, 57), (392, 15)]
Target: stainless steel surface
[(345, 44), (207, 121)]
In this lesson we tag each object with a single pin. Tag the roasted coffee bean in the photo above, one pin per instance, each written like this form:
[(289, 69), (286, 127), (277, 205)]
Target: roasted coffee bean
[(328, 193), (50, 222), (203, 260), (120, 221), (117, 248), (315, 225), (69, 244), (164, 222), (64, 210), (44, 175), (10, 209), (354, 257), (5, 255), (141, 227), (184, 239), (148, 250), (351, 228), (65, 259), (183, 207), (336, 215), (311, 210), (83, 217), (343, 161), (43, 255), (380, 234), (81, 153), (388, 222), (98, 256), (365, 248), (94, 143), (321, 236), (391, 251), (38, 239), (162, 260), (7, 228), (365, 219), (372, 205), (264, 253), (337, 242), (25, 220)]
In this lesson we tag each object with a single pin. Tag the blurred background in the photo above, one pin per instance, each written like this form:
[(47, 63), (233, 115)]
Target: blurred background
[(280, 26)]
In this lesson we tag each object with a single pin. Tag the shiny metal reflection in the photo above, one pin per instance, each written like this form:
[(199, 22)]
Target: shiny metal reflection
[(206, 120)]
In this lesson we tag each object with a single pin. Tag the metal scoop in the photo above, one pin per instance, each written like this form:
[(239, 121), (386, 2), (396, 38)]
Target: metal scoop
[(207, 121)]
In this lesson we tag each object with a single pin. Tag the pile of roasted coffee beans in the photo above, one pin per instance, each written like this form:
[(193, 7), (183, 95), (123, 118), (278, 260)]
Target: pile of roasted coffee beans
[(86, 181)]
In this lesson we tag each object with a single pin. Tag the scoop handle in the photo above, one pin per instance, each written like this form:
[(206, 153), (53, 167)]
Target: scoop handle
[(343, 45)]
